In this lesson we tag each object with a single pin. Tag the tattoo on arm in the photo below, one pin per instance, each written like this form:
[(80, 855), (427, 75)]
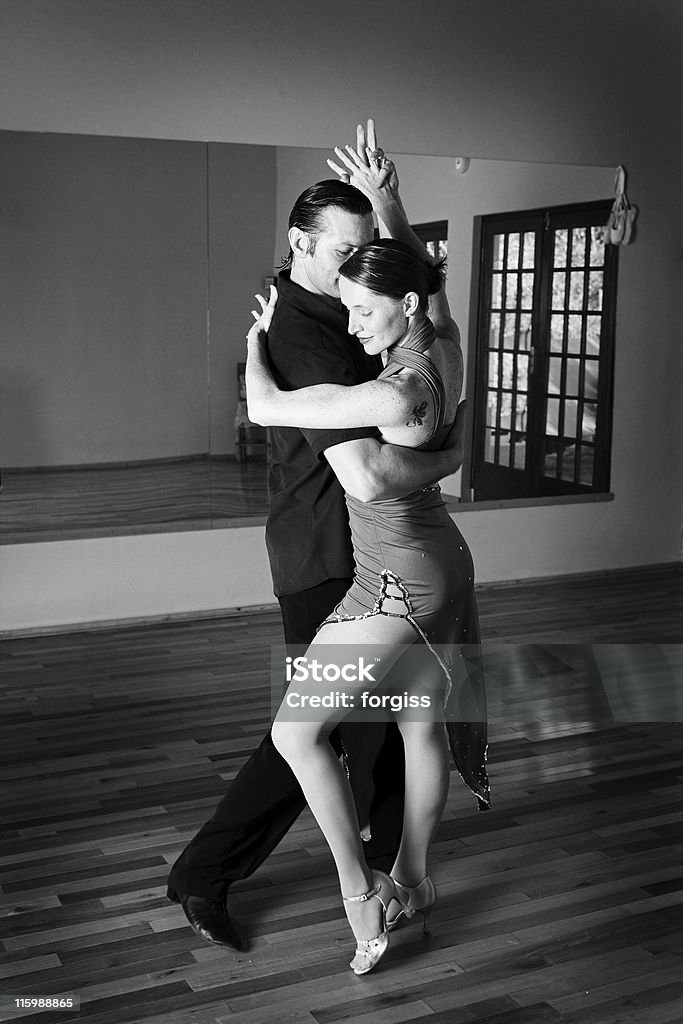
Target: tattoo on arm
[(419, 412)]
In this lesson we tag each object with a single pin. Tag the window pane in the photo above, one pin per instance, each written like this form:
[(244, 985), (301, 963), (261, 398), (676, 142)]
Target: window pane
[(552, 418), (505, 409), (525, 331), (489, 445), (560, 257), (574, 333), (511, 291), (590, 380), (491, 408), (597, 254), (572, 378), (588, 421), (510, 331), (595, 290), (550, 465), (442, 246), (571, 407), (520, 455), (429, 246), (498, 246), (556, 332), (496, 291), (513, 251), (494, 330), (521, 414), (578, 247), (508, 371), (576, 290), (529, 250), (522, 378), (493, 369), (567, 456), (558, 289), (555, 375), (527, 296), (587, 457), (593, 328)]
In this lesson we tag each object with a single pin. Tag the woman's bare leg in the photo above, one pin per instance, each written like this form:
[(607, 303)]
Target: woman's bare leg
[(426, 789), (306, 748)]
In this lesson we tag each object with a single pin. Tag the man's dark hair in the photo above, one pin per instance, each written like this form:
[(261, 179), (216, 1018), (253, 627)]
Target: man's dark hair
[(313, 201)]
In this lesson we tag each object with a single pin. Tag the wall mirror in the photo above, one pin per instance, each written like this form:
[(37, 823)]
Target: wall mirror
[(129, 267)]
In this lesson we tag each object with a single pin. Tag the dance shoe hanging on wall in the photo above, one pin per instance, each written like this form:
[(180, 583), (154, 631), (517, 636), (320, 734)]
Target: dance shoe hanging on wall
[(619, 229)]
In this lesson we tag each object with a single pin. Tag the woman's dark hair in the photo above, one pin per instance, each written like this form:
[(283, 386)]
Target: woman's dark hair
[(392, 268), (308, 209)]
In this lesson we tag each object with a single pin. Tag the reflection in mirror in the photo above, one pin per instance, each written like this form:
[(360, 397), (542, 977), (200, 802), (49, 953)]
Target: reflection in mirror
[(544, 345), (117, 250), (128, 274)]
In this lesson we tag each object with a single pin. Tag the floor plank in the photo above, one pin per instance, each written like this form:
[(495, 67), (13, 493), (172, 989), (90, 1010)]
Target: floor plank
[(563, 904)]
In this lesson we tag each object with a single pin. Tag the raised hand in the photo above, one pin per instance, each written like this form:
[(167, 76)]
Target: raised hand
[(258, 330), (366, 142), (367, 167)]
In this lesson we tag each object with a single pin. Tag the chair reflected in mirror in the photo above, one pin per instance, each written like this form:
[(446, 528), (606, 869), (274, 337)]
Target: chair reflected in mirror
[(251, 440)]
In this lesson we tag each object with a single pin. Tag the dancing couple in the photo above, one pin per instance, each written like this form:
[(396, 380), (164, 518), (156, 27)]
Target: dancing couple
[(364, 393)]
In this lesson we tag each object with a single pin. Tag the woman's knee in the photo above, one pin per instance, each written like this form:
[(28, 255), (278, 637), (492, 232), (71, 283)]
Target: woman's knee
[(283, 739), (422, 733), (293, 739)]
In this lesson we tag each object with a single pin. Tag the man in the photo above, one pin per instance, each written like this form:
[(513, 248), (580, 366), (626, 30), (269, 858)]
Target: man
[(311, 559)]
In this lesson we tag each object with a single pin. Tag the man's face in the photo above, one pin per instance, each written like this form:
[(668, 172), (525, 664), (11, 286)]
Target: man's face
[(340, 234)]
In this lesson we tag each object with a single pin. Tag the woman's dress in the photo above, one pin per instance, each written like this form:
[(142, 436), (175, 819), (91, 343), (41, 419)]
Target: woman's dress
[(412, 562)]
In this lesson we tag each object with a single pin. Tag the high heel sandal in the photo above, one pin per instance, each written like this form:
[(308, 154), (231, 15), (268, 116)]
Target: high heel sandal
[(369, 952), (414, 899)]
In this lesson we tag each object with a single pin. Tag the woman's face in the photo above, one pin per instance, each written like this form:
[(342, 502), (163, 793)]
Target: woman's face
[(378, 321)]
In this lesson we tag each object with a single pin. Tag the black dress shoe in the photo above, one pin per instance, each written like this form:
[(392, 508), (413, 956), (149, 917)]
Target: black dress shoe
[(211, 921)]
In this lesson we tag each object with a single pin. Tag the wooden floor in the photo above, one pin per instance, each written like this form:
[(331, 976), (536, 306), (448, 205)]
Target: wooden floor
[(181, 494), (562, 904)]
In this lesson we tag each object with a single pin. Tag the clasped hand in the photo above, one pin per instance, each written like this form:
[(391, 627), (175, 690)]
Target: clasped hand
[(367, 167), (454, 442)]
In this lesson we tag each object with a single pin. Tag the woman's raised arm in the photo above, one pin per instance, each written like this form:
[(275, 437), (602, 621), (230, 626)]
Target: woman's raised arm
[(374, 174)]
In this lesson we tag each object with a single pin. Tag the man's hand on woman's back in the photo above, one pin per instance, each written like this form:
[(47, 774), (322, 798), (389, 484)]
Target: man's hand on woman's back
[(455, 439)]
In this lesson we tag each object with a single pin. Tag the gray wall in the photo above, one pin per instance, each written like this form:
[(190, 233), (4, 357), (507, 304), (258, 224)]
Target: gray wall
[(242, 190), (594, 82), (106, 272), (103, 297)]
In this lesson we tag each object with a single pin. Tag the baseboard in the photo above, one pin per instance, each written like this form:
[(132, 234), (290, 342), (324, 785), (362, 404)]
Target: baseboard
[(141, 621), (672, 568), (656, 569)]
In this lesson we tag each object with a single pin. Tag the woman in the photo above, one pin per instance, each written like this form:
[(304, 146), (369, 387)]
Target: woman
[(413, 583)]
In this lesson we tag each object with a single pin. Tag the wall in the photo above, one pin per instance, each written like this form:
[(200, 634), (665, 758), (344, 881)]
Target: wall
[(242, 186), (104, 579), (103, 269), (576, 82), (112, 251)]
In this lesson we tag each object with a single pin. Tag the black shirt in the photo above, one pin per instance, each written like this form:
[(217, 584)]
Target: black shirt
[(307, 533)]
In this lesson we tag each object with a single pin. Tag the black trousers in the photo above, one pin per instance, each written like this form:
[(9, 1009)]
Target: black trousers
[(265, 799)]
